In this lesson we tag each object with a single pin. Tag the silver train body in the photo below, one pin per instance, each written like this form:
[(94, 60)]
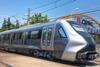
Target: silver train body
[(60, 39)]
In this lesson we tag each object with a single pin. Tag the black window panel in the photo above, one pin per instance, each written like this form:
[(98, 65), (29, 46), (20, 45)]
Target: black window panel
[(26, 35), (23, 35), (62, 33), (13, 36), (19, 35), (8, 36), (36, 34), (29, 35), (39, 34), (2, 36)]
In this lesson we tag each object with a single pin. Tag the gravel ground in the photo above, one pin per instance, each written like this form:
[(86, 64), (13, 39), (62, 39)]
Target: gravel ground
[(17, 60)]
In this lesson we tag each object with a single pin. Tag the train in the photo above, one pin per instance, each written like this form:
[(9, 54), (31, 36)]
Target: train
[(60, 39)]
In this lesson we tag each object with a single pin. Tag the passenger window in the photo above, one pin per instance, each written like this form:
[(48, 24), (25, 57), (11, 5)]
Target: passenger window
[(61, 32), (14, 36), (2, 37), (5, 37), (27, 35), (19, 35), (23, 35), (34, 34)]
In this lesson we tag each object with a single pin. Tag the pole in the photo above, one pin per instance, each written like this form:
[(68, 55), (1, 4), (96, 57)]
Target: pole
[(28, 16)]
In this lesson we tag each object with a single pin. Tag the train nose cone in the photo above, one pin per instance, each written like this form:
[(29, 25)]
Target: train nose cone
[(88, 52)]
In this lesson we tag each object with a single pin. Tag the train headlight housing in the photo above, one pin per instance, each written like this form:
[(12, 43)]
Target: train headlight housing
[(81, 56)]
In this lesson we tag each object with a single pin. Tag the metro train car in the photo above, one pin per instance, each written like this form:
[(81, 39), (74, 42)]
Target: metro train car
[(61, 39)]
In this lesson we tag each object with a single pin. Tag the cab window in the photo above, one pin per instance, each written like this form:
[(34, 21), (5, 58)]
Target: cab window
[(61, 33)]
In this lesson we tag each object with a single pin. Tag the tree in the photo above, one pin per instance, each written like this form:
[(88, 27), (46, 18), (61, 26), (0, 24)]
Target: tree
[(4, 25), (17, 25), (7, 25), (39, 18)]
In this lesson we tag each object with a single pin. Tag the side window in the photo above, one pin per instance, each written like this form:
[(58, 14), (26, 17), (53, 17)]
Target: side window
[(27, 35), (35, 34), (14, 36), (19, 35), (23, 36), (61, 32), (6, 36), (2, 37)]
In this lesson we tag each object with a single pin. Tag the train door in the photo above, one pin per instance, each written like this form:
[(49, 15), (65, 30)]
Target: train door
[(47, 38)]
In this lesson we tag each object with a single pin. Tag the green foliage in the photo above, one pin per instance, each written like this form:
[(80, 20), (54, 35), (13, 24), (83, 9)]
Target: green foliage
[(25, 24), (7, 25), (4, 25), (36, 18), (17, 25), (39, 18)]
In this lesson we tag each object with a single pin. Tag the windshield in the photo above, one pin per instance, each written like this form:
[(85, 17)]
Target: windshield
[(82, 30), (78, 26)]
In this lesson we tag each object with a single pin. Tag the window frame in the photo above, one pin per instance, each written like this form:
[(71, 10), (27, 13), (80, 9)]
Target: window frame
[(65, 36)]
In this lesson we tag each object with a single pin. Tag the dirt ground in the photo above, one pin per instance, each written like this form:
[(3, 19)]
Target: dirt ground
[(18, 60)]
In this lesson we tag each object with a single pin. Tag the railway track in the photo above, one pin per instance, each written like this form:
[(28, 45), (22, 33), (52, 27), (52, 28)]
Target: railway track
[(8, 59)]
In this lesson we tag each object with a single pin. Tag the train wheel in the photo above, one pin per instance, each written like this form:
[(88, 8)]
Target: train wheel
[(31, 52), (6, 49), (49, 56), (36, 53)]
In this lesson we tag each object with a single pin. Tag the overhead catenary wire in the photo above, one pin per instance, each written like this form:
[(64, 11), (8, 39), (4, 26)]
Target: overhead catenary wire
[(50, 9), (92, 11), (29, 10), (48, 4), (45, 5), (87, 12)]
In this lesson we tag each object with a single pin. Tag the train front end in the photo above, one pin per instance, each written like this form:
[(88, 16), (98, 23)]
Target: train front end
[(81, 46)]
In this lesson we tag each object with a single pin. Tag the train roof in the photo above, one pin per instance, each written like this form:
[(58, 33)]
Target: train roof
[(28, 27)]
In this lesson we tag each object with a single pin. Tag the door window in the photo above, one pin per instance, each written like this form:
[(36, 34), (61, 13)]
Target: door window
[(49, 37), (44, 36)]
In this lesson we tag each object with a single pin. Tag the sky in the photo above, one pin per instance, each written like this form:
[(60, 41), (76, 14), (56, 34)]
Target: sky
[(19, 8)]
